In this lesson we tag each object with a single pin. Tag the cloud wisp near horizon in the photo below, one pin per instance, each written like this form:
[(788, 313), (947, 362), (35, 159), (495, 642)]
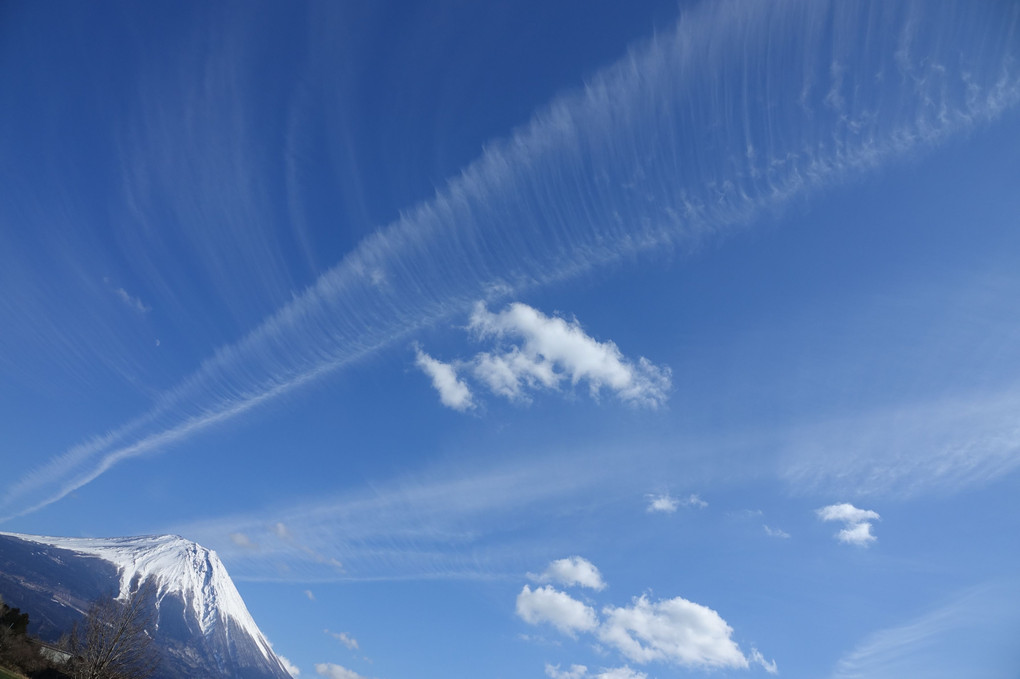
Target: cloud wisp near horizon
[(625, 165)]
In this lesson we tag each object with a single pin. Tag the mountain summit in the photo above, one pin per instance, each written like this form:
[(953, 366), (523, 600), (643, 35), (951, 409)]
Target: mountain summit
[(203, 627)]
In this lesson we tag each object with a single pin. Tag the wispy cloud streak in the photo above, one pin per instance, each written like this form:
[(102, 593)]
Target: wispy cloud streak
[(959, 638), (434, 525), (696, 131)]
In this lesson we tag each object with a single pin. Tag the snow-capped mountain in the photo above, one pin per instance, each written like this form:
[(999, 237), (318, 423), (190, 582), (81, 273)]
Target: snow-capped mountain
[(203, 627)]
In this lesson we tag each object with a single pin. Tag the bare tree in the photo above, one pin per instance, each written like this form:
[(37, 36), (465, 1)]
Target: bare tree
[(113, 641)]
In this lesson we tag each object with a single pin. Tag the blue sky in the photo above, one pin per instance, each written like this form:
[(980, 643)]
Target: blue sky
[(579, 341)]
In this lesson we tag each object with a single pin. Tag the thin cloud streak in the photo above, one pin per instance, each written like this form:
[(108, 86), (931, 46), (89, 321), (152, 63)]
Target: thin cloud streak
[(943, 445), (946, 641), (437, 525), (659, 150)]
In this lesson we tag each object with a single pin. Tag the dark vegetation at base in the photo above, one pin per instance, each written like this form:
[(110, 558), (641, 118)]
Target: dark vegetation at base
[(20, 651)]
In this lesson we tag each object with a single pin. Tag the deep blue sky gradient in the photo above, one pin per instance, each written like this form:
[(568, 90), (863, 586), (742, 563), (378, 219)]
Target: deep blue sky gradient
[(252, 217)]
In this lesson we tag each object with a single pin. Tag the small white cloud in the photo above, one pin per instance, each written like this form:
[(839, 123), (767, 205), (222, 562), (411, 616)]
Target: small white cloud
[(554, 349), (775, 532), (768, 665), (673, 630), (331, 671), (857, 530), (665, 504), (546, 604), (573, 570), (575, 672), (857, 534), (846, 512), (581, 672), (624, 672), (310, 595), (291, 668), (243, 541), (344, 639), (453, 392)]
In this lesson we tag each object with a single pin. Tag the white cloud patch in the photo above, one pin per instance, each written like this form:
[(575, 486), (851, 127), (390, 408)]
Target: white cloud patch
[(553, 350), (331, 671), (562, 611), (292, 669), (453, 393), (575, 672), (775, 532), (664, 504), (857, 522), (310, 595), (768, 665), (571, 571), (581, 672), (674, 630), (667, 504), (344, 639), (624, 672)]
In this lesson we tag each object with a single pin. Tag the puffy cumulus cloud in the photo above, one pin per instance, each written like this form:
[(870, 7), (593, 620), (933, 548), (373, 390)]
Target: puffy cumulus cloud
[(857, 534), (331, 671), (674, 630), (847, 513), (562, 611), (292, 669), (573, 570), (453, 393), (509, 373), (857, 522), (553, 349)]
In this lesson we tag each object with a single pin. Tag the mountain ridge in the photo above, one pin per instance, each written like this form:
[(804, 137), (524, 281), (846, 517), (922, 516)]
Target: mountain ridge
[(203, 627)]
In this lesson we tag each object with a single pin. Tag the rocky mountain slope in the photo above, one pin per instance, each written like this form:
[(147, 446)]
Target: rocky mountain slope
[(203, 627)]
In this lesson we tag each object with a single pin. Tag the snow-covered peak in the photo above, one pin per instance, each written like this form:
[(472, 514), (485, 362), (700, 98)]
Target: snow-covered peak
[(173, 565)]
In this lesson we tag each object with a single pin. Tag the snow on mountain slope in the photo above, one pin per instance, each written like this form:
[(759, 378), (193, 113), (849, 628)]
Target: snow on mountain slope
[(175, 566)]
